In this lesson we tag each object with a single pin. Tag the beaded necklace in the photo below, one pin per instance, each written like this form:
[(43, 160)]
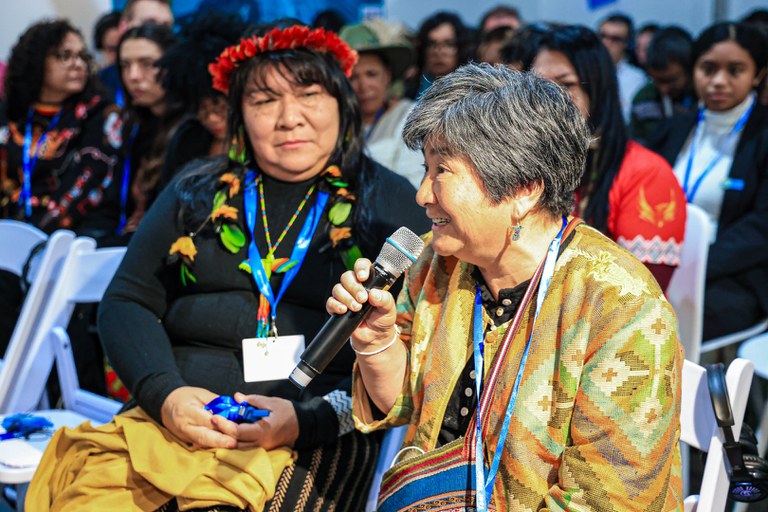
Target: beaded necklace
[(272, 264)]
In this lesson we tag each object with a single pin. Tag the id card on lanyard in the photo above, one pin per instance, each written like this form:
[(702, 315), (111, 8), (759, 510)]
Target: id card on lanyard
[(689, 188), (270, 356), (29, 158)]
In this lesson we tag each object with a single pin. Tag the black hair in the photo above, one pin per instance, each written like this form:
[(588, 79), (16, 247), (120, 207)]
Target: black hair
[(748, 37), (301, 67), (329, 19), (184, 65), (463, 37), (597, 75), (524, 45), (25, 73), (670, 45), (108, 21), (156, 132), (756, 17), (499, 10), (649, 27)]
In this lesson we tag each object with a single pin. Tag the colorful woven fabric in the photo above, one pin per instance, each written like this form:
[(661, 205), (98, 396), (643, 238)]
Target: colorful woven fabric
[(596, 425)]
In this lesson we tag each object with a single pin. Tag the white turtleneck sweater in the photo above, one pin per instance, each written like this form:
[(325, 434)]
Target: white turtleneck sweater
[(713, 138)]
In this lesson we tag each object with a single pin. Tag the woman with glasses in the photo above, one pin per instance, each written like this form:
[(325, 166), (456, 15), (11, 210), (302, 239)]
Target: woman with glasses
[(444, 43), (58, 150)]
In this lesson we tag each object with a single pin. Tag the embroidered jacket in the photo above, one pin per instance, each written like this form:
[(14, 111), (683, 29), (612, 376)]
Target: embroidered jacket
[(596, 425)]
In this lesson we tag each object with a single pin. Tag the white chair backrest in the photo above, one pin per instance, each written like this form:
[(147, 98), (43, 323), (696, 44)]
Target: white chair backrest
[(48, 271), (699, 429), (16, 241), (686, 289), (85, 275)]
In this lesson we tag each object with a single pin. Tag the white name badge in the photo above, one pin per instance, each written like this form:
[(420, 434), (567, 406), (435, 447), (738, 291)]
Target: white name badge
[(271, 358)]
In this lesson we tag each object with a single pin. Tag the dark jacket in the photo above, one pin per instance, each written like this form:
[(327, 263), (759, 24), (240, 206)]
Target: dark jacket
[(740, 250)]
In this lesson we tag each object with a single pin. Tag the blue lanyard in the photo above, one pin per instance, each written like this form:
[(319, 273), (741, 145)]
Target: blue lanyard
[(690, 193), (298, 254), (119, 96), (125, 183), (379, 114), (485, 479), (29, 162)]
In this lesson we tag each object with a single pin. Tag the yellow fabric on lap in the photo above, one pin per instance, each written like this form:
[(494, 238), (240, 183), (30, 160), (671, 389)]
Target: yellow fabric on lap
[(132, 463)]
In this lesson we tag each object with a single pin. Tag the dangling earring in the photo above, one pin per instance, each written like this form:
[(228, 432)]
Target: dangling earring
[(515, 228), (237, 150)]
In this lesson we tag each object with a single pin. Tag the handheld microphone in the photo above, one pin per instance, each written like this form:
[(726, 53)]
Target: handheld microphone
[(399, 252)]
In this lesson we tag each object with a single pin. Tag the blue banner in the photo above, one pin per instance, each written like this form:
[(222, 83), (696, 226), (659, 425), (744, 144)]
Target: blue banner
[(256, 11), (597, 4)]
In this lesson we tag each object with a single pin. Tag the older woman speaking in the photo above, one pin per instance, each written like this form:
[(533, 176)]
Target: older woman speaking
[(535, 362)]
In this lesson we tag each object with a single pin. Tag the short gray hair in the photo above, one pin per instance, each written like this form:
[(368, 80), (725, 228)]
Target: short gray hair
[(515, 128)]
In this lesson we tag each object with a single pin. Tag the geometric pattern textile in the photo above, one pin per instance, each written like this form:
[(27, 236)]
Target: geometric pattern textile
[(597, 420)]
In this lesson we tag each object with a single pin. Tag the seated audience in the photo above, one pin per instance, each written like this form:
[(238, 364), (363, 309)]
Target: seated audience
[(135, 13), (720, 156), (58, 151), (188, 85), (517, 319), (616, 33), (518, 53), (670, 90), (384, 57), (106, 36), (627, 192), (500, 16), (489, 49), (150, 121), (443, 44), (643, 38), (174, 326)]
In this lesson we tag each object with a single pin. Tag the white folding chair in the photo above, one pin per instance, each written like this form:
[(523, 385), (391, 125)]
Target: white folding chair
[(734, 337), (19, 239), (756, 350), (686, 289), (698, 428), (85, 274)]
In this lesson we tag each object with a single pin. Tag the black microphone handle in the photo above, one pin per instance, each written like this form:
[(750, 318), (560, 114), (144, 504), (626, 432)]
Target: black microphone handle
[(337, 330)]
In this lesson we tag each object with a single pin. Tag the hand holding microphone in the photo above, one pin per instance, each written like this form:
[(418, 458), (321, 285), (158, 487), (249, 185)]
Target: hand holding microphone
[(399, 252)]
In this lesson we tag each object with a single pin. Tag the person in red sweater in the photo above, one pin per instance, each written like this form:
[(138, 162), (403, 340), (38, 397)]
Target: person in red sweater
[(627, 192)]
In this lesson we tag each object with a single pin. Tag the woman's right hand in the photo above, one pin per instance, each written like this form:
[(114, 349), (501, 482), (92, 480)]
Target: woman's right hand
[(378, 328), (183, 413)]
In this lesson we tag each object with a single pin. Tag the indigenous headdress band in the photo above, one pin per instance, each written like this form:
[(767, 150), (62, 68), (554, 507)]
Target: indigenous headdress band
[(317, 40)]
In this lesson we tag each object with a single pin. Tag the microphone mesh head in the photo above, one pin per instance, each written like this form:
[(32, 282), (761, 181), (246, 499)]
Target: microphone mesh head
[(400, 251)]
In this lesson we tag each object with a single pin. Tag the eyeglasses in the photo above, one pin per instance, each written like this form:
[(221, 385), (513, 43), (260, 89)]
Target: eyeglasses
[(613, 38), (67, 57), (436, 46)]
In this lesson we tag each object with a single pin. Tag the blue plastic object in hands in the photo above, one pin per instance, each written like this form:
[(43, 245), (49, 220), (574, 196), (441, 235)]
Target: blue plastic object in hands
[(23, 425), (241, 412)]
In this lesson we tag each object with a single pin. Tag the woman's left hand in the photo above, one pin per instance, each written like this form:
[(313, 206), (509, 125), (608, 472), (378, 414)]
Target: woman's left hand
[(280, 428)]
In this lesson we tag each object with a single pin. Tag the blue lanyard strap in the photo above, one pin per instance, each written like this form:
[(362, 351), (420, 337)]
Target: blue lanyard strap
[(486, 479), (298, 253), (125, 183), (29, 161), (690, 191)]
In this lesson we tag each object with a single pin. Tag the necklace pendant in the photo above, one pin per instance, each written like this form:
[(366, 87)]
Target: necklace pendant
[(268, 262)]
